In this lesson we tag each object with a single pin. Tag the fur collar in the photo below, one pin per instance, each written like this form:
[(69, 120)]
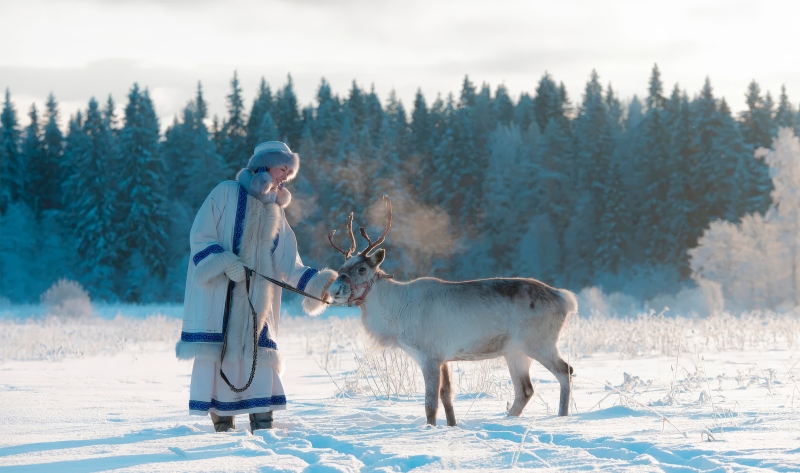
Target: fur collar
[(256, 185)]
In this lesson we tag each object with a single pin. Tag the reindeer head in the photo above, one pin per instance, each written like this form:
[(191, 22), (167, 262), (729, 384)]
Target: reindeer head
[(358, 272)]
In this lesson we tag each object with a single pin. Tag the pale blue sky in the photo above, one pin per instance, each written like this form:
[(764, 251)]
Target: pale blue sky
[(80, 48)]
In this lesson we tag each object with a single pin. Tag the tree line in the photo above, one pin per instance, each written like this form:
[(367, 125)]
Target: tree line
[(587, 192)]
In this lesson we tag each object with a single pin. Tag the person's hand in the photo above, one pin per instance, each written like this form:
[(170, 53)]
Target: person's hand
[(235, 271)]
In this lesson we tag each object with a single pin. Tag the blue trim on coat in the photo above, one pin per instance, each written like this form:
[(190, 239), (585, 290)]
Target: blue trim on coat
[(275, 242), (202, 254), (305, 278), (264, 341), (237, 405), (201, 337), (238, 226)]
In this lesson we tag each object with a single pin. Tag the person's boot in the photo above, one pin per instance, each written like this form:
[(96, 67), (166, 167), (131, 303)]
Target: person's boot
[(262, 420), (223, 423)]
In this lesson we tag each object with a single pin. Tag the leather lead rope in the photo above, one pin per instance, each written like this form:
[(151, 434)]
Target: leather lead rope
[(255, 340)]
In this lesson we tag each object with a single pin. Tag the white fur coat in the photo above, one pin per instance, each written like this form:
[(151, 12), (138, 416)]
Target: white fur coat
[(251, 227)]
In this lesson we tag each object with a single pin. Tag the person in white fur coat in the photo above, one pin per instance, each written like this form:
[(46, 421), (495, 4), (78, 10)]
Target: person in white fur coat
[(242, 224)]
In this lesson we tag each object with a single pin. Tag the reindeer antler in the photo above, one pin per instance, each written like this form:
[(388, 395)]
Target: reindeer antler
[(349, 252), (372, 245)]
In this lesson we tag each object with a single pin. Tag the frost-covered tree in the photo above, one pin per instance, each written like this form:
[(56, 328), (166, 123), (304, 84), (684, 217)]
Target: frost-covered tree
[(468, 93), (12, 164), (784, 163), (48, 175), (421, 129), (90, 198), (502, 106), (482, 119), (328, 116), (287, 114), (524, 111), (258, 124), (398, 124), (655, 96), (654, 170), (756, 121), (373, 117), (233, 143), (598, 174), (549, 102), (635, 115), (142, 209), (713, 186), (556, 177), (615, 113), (456, 165), (507, 187), (190, 155), (784, 115), (33, 155), (757, 261)]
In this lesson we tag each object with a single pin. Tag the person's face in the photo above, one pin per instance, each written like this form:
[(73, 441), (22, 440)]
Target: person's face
[(279, 174)]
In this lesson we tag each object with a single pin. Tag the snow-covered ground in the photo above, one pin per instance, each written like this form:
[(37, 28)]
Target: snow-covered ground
[(86, 401)]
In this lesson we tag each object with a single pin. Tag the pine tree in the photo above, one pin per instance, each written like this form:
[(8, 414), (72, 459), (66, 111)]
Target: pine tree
[(374, 116), (635, 115), (797, 123), (784, 116), (46, 170), (110, 114), (655, 97), (267, 130), (396, 114), (33, 156), (12, 166), (598, 175), (615, 113), (524, 112), (287, 115), (190, 155), (467, 98), (142, 197), (328, 117), (233, 144), (482, 118), (90, 198), (258, 124), (715, 186), (680, 123), (456, 168), (556, 162), (756, 121), (421, 126), (654, 171), (502, 107), (549, 103)]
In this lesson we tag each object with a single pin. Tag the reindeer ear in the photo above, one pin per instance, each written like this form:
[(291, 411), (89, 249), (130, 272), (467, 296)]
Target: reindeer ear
[(377, 258)]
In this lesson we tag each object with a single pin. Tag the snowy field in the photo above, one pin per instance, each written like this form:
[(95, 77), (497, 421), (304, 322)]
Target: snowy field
[(652, 393)]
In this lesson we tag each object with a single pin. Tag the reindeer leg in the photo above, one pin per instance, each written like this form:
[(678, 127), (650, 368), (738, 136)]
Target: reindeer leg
[(519, 366), (446, 393), (431, 374), (550, 359)]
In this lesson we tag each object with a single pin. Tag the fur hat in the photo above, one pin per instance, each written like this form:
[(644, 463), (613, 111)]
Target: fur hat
[(274, 153)]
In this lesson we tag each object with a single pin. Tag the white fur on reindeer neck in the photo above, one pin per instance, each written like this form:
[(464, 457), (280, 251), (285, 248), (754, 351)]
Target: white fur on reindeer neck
[(359, 301)]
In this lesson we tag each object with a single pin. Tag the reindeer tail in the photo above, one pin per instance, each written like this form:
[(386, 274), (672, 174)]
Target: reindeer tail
[(569, 304)]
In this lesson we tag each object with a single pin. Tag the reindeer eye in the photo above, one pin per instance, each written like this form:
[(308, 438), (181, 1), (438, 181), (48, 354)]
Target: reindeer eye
[(362, 270)]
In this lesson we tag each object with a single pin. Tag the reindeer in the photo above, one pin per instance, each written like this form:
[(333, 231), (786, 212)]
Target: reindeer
[(437, 321)]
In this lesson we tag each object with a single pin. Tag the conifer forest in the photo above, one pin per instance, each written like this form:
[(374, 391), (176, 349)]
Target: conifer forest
[(633, 194)]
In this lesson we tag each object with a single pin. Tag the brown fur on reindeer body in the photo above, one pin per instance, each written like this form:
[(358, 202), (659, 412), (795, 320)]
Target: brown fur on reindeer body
[(437, 321)]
